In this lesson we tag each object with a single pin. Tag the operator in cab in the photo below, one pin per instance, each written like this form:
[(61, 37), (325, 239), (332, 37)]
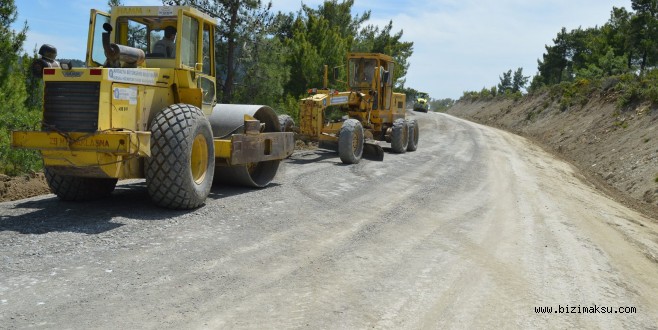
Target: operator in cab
[(166, 46)]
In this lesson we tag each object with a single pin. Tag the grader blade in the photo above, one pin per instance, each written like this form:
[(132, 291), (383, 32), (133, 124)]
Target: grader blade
[(373, 151)]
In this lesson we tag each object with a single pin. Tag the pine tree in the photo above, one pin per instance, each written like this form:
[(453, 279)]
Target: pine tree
[(505, 84), (519, 80), (13, 94)]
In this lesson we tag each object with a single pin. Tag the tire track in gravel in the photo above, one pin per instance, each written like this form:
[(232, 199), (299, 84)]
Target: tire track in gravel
[(381, 221)]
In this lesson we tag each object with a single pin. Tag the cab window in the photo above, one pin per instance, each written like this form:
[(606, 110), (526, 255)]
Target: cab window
[(189, 41), (132, 33), (361, 71), (97, 51), (207, 65)]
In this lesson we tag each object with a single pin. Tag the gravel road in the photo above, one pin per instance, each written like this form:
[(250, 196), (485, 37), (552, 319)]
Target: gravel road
[(477, 229)]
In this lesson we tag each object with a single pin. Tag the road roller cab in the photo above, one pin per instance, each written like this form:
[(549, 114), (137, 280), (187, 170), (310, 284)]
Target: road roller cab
[(137, 111), (422, 102)]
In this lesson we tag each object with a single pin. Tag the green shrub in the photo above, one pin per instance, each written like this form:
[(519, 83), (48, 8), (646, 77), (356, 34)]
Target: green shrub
[(530, 116), (629, 93), (289, 105), (565, 103), (609, 82), (16, 161)]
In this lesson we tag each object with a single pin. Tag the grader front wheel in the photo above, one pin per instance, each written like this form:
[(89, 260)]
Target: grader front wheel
[(180, 171), (350, 142)]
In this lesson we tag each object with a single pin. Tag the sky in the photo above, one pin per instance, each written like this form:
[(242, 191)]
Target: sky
[(459, 45)]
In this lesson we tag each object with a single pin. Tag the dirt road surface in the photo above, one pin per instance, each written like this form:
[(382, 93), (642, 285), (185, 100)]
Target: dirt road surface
[(475, 230)]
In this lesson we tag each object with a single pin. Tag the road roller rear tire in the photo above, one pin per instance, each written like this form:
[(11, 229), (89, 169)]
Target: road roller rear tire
[(78, 189)]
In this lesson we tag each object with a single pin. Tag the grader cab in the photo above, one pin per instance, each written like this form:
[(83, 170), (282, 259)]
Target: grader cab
[(355, 121), (137, 113)]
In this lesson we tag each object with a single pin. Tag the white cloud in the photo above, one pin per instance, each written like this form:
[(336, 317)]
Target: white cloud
[(465, 45)]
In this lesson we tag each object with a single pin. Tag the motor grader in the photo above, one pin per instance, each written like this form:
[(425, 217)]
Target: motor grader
[(133, 113), (354, 122)]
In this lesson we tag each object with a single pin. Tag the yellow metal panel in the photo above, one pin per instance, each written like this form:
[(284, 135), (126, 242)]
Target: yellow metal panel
[(119, 143), (222, 148), (332, 128), (93, 164), (151, 101), (398, 108), (190, 96), (124, 106), (184, 79), (105, 105), (311, 117)]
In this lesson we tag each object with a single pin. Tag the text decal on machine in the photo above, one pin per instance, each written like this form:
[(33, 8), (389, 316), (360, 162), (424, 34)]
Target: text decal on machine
[(129, 94), (133, 76), (339, 100)]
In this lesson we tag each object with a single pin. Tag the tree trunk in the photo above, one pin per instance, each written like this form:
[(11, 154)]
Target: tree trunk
[(230, 61), (644, 62)]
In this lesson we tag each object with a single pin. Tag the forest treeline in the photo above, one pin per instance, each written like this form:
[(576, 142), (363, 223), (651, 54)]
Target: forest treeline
[(263, 57), (621, 55)]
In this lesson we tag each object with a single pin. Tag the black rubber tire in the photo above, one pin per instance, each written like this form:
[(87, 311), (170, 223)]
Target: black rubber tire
[(169, 171), (413, 135), (399, 136), (350, 142), (287, 123), (77, 189)]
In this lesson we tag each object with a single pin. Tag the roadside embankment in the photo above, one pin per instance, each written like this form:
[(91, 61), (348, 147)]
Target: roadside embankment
[(616, 149)]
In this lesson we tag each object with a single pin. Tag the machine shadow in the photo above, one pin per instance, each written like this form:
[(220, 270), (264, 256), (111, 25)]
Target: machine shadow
[(95, 217), (312, 156), (221, 190), (325, 155)]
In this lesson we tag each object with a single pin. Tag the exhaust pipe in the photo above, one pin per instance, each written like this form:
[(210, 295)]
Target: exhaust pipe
[(116, 54)]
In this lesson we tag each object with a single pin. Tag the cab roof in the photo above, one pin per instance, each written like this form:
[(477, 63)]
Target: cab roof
[(153, 12), (378, 56)]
